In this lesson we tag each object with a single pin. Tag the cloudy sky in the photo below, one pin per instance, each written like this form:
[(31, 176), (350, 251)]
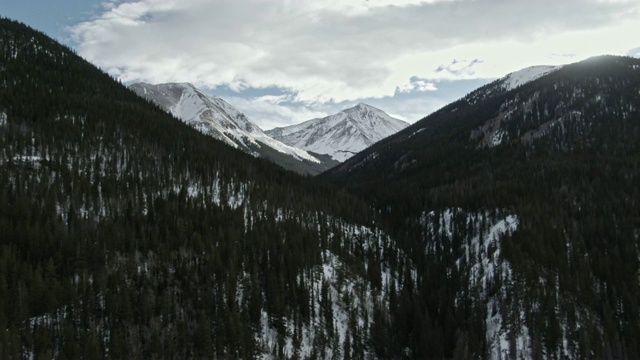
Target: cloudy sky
[(285, 61)]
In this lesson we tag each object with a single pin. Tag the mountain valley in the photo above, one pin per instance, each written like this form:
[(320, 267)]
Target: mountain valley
[(504, 225)]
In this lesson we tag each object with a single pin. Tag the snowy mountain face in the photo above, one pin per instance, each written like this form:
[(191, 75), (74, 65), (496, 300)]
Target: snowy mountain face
[(509, 82), (341, 135), (526, 75), (215, 117)]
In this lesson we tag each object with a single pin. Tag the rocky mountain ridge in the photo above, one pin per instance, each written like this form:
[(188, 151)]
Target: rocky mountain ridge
[(213, 116), (340, 135)]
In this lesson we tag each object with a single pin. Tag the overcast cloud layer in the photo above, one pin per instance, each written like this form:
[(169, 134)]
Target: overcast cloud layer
[(336, 51)]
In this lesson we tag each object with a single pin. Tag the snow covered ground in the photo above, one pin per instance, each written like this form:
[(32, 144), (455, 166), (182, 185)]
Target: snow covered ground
[(526, 75)]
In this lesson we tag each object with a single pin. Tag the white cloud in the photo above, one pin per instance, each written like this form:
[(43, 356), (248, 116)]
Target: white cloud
[(635, 52), (338, 50), (417, 84), (413, 109), (409, 107)]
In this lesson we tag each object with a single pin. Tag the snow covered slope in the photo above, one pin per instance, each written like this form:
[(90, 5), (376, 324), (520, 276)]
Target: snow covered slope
[(509, 82), (213, 116), (341, 135), (521, 77)]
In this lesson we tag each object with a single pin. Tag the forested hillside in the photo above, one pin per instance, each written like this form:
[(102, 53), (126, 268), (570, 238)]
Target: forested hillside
[(505, 225), (562, 155), (127, 234)]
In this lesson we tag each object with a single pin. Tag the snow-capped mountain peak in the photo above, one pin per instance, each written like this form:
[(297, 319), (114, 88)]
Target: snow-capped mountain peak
[(343, 134), (213, 116)]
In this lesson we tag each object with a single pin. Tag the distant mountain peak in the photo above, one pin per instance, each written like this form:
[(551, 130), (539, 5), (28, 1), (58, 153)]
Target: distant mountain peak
[(364, 109), (213, 116), (343, 134)]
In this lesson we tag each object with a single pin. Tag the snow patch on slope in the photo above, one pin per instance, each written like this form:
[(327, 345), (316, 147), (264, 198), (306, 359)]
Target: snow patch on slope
[(526, 75), (486, 268), (350, 299)]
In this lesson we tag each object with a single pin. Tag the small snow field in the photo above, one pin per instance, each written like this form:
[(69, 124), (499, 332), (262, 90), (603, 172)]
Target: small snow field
[(526, 75)]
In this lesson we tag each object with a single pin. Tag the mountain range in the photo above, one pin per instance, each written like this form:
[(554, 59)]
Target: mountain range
[(310, 147), (213, 116), (504, 225)]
